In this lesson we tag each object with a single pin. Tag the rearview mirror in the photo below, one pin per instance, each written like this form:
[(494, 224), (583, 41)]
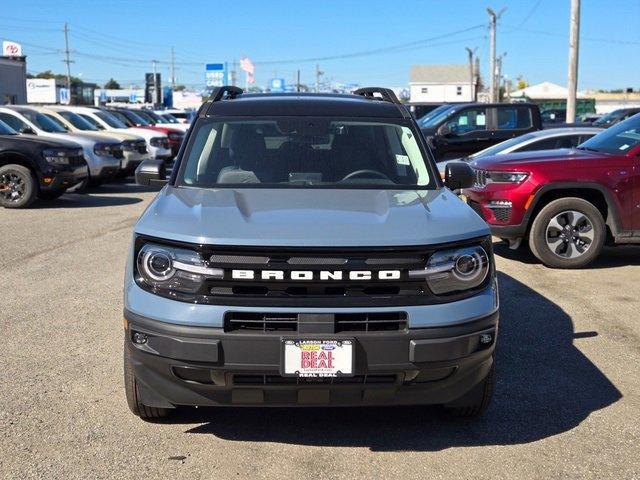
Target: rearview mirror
[(458, 175), (151, 173)]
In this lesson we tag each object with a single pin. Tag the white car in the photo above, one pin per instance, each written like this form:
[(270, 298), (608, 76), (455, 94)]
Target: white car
[(157, 143), (103, 156), (134, 146), (182, 116), (549, 139)]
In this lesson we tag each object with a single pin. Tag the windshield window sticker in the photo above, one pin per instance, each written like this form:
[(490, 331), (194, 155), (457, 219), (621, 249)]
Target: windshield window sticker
[(402, 159)]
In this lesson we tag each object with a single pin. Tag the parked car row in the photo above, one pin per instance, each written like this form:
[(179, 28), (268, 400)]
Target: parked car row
[(36, 141)]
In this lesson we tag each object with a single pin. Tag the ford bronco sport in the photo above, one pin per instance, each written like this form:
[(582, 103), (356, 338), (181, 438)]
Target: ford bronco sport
[(306, 252)]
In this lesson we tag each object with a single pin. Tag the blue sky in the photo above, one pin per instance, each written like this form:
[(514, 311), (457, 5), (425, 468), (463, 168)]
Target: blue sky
[(119, 38)]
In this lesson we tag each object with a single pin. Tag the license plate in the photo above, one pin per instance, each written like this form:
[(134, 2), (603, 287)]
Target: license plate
[(318, 358)]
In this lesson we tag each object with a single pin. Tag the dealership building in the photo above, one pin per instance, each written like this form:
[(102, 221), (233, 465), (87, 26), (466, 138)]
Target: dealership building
[(13, 75)]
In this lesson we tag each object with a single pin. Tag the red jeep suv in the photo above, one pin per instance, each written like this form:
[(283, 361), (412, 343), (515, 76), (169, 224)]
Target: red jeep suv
[(566, 203)]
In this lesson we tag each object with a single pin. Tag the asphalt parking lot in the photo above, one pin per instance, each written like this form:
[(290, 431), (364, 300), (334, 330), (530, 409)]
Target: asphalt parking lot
[(566, 406)]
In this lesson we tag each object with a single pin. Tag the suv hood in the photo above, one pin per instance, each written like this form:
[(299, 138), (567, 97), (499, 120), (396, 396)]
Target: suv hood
[(521, 158), (309, 217), (47, 142)]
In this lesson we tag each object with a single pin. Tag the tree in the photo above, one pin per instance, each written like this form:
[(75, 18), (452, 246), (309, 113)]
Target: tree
[(112, 85), (58, 76), (180, 88), (522, 83)]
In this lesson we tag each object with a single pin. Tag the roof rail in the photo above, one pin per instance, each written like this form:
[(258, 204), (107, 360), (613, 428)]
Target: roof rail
[(226, 92), (386, 94)]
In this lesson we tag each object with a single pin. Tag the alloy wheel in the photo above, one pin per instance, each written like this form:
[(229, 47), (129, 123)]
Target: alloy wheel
[(12, 187), (569, 234)]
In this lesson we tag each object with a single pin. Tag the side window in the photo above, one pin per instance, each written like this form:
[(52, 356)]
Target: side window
[(512, 118), (472, 120), (546, 144), (585, 137), (13, 122)]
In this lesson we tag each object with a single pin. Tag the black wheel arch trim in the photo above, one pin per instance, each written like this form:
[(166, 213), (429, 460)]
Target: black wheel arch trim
[(613, 216)]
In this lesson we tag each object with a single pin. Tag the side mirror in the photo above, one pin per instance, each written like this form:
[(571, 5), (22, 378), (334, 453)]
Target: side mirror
[(151, 173), (458, 175), (27, 129), (445, 130)]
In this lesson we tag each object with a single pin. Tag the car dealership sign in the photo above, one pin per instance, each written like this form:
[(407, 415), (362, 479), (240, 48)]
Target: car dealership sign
[(41, 90), (11, 49)]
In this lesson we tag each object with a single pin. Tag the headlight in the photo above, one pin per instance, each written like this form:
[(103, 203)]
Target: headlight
[(506, 177), (60, 156), (107, 149), (176, 136), (455, 270), (171, 270), (159, 142)]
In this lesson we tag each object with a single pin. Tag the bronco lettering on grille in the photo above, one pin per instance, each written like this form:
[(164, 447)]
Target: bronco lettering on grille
[(322, 275)]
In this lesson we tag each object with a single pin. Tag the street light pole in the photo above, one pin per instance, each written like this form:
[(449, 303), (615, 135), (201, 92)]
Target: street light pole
[(572, 83), (472, 82)]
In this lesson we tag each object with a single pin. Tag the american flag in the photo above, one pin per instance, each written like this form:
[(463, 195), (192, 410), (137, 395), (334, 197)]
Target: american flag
[(248, 66)]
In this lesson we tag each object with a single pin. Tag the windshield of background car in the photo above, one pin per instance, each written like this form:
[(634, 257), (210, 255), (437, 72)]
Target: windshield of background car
[(110, 120), (435, 117), (133, 117), (502, 146), (608, 118), (168, 118), (305, 152), (79, 122), (6, 129), (617, 139), (43, 122), (56, 120)]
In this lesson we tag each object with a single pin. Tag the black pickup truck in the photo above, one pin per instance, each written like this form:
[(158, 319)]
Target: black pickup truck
[(466, 128), (34, 167)]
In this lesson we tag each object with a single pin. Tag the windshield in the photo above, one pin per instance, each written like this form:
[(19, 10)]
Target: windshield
[(43, 122), (6, 129), (500, 147), (111, 120), (617, 139), (134, 118), (608, 118), (424, 120), (79, 122), (437, 118), (56, 120), (168, 118), (305, 152)]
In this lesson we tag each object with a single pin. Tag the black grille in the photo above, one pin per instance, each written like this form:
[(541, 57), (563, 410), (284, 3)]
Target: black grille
[(261, 322), (481, 178), (502, 214), (250, 322), (118, 153), (76, 161), (259, 379)]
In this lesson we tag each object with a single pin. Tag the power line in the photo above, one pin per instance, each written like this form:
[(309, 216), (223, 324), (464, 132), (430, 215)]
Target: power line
[(562, 35), (528, 15)]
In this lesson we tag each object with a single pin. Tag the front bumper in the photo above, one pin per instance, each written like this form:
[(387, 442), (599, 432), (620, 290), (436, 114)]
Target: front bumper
[(204, 366), (131, 160), (55, 179), (159, 153), (102, 168)]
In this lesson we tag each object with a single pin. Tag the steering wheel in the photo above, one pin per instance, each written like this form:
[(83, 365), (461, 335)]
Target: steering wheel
[(359, 173)]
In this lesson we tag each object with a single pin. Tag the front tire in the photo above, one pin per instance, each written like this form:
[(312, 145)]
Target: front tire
[(131, 390), (567, 233), (18, 187)]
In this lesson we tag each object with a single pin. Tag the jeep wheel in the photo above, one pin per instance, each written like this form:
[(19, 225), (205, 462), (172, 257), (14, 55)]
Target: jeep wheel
[(567, 233), (476, 401), (131, 390), (18, 187)]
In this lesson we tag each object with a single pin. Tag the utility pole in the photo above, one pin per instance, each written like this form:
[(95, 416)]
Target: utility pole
[(155, 83), (499, 74), (173, 70), (318, 75), (67, 60), (493, 20), (574, 38), (472, 83), (298, 81)]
